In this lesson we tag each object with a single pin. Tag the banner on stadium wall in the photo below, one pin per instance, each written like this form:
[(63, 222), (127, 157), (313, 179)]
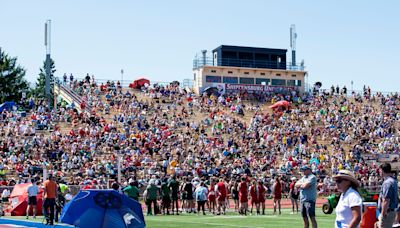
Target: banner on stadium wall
[(256, 88), (220, 87)]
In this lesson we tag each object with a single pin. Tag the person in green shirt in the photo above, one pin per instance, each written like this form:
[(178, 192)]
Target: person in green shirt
[(152, 192), (174, 186), (132, 191), (166, 197)]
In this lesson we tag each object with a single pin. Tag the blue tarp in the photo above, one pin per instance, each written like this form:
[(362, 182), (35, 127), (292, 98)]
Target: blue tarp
[(101, 209), (8, 222), (7, 106)]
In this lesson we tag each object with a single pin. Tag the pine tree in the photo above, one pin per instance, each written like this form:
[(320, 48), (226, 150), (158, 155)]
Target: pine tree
[(40, 88), (12, 81)]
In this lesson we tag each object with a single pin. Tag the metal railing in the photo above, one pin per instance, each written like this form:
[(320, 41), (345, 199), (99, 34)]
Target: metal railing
[(250, 63), (76, 98), (126, 83)]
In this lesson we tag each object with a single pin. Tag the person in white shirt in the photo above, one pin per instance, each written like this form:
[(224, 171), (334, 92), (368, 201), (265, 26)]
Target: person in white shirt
[(201, 194), (5, 195), (348, 209), (33, 190)]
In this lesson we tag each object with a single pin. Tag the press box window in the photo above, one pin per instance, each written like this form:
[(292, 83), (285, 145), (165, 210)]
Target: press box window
[(246, 80), (246, 72), (230, 72), (278, 82), (230, 80), (262, 73), (291, 82), (215, 79), (260, 81), (213, 71)]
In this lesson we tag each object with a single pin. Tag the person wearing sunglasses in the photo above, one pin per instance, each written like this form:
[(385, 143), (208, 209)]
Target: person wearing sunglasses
[(348, 209)]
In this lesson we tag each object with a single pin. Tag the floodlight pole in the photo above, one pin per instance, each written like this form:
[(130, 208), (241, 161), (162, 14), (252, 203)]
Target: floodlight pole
[(352, 86), (47, 43), (122, 77)]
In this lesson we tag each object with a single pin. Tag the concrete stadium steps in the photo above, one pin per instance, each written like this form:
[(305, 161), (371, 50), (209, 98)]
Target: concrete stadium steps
[(65, 127), (58, 90)]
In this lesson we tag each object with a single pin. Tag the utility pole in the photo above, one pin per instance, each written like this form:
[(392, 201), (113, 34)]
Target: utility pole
[(122, 77), (352, 86), (47, 43), (293, 37)]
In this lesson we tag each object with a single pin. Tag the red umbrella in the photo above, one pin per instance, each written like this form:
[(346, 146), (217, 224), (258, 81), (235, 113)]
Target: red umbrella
[(283, 103)]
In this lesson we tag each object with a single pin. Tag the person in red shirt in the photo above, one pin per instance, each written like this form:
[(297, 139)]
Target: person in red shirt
[(83, 105), (212, 198), (222, 193), (277, 194), (261, 195), (254, 194), (243, 196)]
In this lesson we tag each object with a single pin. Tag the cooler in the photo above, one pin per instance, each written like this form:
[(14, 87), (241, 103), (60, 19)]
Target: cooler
[(369, 215)]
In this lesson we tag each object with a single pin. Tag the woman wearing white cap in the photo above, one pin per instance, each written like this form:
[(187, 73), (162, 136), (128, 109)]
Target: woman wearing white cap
[(348, 210), (294, 195)]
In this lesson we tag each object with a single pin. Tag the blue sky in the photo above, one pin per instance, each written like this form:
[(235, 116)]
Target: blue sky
[(339, 41)]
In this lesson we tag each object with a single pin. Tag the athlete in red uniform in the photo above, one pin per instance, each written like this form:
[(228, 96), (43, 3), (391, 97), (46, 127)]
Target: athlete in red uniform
[(254, 195), (212, 198), (261, 190), (222, 193), (277, 194), (243, 196)]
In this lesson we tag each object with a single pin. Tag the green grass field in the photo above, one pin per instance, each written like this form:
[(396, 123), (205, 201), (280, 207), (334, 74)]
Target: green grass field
[(231, 220), (234, 220)]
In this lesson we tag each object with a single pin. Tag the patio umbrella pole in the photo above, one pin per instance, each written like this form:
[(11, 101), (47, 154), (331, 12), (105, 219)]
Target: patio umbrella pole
[(104, 215)]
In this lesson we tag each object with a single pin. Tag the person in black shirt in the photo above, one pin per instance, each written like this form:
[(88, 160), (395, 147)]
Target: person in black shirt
[(65, 78), (188, 189), (173, 184)]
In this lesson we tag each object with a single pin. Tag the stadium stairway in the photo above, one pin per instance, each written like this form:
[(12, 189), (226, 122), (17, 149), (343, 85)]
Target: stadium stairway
[(70, 97)]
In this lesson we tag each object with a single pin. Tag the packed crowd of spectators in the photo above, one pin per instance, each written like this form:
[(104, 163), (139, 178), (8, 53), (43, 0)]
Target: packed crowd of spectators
[(166, 134)]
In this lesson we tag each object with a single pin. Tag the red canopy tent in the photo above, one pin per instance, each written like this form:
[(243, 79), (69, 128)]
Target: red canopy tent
[(139, 83), (283, 104), (19, 200)]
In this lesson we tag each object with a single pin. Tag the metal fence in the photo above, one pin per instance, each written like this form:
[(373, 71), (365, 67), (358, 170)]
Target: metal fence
[(125, 83), (248, 63)]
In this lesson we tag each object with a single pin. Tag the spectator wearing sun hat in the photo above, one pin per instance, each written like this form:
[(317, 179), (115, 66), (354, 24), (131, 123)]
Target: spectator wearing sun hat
[(348, 209)]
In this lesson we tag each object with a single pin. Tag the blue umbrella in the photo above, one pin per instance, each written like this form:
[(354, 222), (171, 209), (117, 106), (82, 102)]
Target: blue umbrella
[(314, 160), (101, 209)]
